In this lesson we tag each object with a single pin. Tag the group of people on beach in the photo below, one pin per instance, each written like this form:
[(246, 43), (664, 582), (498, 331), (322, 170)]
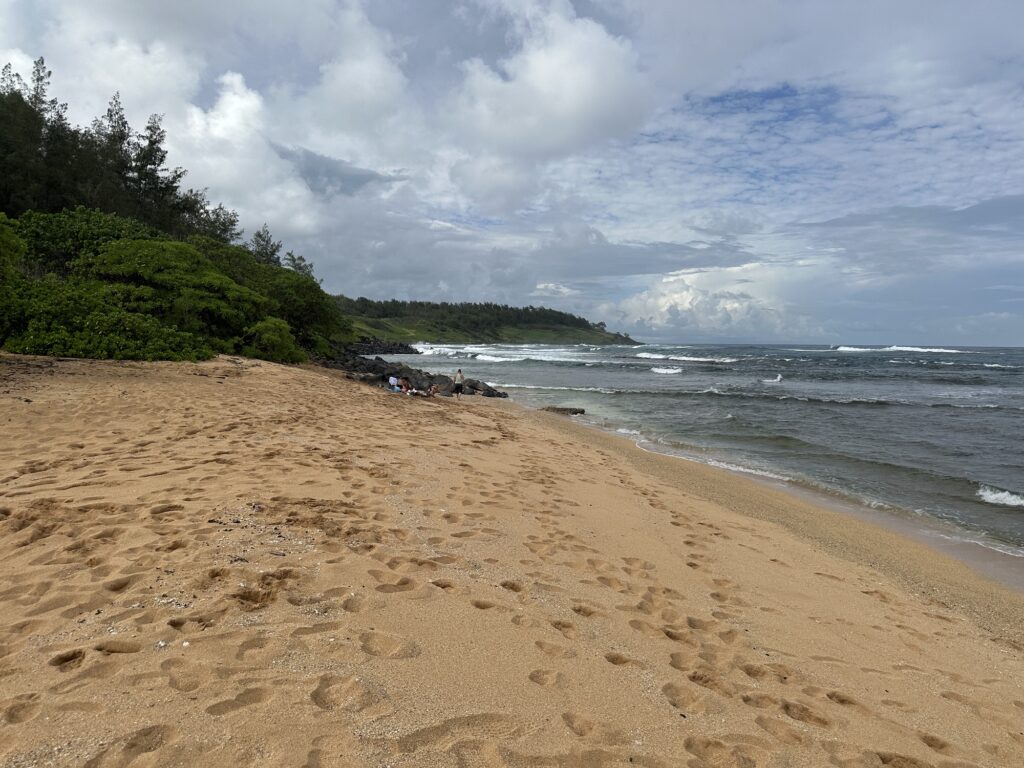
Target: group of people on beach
[(405, 387)]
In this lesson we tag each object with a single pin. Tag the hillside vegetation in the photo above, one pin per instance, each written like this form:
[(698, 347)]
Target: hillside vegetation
[(411, 321)]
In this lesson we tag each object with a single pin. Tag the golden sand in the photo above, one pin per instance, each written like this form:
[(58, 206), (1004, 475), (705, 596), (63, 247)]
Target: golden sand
[(239, 563)]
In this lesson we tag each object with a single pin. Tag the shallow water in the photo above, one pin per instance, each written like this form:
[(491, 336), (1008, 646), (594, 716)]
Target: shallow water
[(933, 431)]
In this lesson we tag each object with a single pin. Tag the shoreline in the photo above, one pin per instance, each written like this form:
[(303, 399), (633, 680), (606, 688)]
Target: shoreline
[(240, 563), (986, 559), (940, 573), (982, 554)]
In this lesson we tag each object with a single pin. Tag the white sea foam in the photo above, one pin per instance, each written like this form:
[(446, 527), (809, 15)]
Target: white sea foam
[(496, 359), (996, 496), (999, 365), (776, 380), (666, 370), (624, 431), (928, 349), (900, 349), (687, 359), (425, 349), (602, 390), (746, 470), (650, 356)]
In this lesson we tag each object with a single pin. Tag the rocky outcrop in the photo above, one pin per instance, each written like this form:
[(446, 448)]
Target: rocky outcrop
[(564, 411), (377, 370), (378, 347)]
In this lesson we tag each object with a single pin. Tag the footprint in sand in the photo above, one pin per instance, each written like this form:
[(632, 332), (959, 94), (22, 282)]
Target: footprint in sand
[(348, 693), (456, 730), (621, 660), (586, 728), (21, 708), (712, 752), (388, 646), (141, 742), (779, 730), (567, 628), (554, 650), (68, 660), (109, 647), (246, 698), (794, 709), (547, 678), (683, 698)]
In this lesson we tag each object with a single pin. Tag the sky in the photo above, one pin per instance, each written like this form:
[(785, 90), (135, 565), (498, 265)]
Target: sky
[(682, 170)]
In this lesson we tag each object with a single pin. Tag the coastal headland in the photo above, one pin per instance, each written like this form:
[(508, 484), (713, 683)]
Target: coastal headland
[(235, 562)]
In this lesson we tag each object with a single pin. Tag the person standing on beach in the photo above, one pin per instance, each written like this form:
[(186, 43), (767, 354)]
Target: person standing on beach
[(460, 383)]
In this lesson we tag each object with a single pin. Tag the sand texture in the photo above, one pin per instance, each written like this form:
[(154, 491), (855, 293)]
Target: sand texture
[(239, 563)]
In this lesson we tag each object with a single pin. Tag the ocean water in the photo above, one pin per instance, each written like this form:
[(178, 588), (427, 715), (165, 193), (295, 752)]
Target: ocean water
[(936, 432)]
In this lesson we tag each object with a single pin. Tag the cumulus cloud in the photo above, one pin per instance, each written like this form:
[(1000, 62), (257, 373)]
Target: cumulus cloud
[(567, 85)]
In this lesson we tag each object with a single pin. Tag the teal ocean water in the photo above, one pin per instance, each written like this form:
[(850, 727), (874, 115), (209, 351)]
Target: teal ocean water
[(936, 432)]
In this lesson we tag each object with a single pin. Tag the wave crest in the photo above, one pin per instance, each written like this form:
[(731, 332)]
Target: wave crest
[(997, 496)]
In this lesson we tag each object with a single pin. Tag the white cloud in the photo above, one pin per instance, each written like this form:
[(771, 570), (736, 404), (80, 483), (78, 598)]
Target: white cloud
[(800, 169), (568, 85)]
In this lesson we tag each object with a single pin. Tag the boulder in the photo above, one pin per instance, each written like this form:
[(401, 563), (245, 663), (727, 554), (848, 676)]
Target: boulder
[(377, 370)]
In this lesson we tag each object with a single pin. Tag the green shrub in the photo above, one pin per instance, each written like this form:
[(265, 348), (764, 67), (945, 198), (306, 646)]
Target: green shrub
[(77, 318), (54, 240), (175, 284), (296, 298), (12, 253), (272, 339), (88, 284)]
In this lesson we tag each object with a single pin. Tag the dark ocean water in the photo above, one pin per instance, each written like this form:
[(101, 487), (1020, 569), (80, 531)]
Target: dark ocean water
[(934, 432)]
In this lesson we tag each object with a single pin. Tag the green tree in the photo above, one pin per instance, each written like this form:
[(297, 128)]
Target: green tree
[(298, 263), (264, 247)]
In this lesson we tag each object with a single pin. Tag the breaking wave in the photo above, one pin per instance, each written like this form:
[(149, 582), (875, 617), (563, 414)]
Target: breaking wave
[(899, 349), (687, 359), (1003, 498)]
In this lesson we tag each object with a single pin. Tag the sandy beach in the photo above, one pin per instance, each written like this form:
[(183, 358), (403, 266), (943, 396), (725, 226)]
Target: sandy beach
[(240, 563)]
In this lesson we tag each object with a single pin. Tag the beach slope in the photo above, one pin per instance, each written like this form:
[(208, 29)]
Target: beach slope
[(239, 563)]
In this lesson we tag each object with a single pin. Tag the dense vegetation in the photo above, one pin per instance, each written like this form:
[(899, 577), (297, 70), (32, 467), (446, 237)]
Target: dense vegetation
[(103, 253), (83, 283), (469, 322)]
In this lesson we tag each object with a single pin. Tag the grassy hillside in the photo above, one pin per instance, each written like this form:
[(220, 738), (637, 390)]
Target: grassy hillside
[(469, 323)]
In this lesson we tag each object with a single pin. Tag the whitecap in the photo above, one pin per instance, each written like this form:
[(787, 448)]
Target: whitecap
[(687, 359), (927, 349), (997, 496), (666, 370), (650, 356), (496, 359), (900, 349), (776, 380), (602, 390)]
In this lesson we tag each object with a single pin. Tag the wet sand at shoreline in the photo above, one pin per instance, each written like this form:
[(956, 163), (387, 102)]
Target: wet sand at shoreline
[(239, 563)]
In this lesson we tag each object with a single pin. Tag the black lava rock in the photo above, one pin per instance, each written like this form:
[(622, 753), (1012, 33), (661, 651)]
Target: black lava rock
[(376, 371)]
